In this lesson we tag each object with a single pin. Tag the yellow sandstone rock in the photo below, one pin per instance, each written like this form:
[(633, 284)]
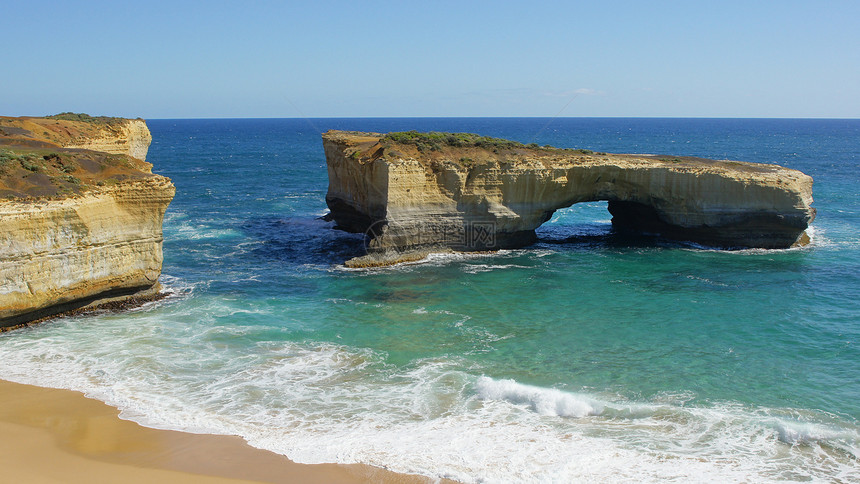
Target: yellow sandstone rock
[(419, 192), (131, 138), (96, 236)]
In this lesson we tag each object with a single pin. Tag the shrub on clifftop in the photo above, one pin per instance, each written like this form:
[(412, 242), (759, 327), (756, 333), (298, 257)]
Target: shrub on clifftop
[(434, 140), (86, 118)]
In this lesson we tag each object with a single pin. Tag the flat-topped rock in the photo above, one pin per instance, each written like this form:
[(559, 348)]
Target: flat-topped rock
[(415, 193), (80, 215)]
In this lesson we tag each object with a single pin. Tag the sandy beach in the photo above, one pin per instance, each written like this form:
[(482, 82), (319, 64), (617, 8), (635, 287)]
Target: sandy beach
[(61, 436)]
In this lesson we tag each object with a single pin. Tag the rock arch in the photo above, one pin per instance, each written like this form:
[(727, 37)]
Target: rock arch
[(480, 196)]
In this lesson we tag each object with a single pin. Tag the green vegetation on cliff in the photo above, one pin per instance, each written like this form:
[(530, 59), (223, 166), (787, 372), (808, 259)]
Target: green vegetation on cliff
[(53, 172), (435, 140), (35, 164), (86, 118)]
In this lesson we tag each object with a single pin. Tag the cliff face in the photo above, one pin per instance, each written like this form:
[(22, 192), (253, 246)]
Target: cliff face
[(130, 138), (65, 254), (117, 136), (415, 192), (78, 227)]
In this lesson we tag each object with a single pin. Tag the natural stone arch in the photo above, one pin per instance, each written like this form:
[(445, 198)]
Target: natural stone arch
[(485, 197)]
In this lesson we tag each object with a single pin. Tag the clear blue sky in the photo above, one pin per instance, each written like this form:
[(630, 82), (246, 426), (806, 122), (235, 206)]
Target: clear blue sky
[(365, 58)]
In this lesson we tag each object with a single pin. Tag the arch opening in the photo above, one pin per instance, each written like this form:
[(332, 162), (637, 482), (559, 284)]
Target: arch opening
[(580, 222)]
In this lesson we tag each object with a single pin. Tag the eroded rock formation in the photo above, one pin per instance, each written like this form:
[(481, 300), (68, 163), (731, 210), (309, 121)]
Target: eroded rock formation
[(78, 228), (130, 138), (414, 193)]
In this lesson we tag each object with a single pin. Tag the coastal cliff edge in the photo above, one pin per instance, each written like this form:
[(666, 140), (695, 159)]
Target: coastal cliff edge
[(80, 215)]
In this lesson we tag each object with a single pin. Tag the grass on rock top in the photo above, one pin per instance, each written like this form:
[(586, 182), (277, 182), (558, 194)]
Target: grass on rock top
[(86, 118), (35, 164), (58, 172), (435, 140)]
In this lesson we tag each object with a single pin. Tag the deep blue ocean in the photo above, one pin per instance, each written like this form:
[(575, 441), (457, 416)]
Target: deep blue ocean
[(583, 358)]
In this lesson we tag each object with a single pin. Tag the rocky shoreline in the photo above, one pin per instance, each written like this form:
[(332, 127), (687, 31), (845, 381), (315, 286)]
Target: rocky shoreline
[(120, 304)]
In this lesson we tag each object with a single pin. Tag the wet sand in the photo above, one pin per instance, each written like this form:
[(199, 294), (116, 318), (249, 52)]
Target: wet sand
[(53, 436)]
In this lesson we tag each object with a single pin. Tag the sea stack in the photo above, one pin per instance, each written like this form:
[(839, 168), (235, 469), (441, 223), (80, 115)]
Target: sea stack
[(415, 193), (80, 215)]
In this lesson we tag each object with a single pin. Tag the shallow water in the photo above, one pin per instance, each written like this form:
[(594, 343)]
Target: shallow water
[(586, 356)]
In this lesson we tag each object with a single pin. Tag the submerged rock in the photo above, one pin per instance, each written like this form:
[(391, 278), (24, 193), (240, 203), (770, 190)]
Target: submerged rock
[(415, 193)]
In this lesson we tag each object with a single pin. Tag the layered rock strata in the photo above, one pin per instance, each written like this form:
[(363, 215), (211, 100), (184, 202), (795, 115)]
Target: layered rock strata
[(414, 193), (130, 138), (118, 136), (78, 228)]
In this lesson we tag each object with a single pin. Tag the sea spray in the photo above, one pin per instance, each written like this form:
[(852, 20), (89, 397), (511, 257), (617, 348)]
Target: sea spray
[(329, 403), (545, 401)]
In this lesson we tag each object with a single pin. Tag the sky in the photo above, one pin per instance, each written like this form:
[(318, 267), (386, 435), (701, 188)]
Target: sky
[(232, 59)]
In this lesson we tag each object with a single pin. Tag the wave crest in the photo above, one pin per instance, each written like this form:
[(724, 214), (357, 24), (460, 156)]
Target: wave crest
[(545, 401)]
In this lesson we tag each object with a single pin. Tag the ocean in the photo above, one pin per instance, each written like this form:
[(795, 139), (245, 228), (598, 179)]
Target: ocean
[(586, 357)]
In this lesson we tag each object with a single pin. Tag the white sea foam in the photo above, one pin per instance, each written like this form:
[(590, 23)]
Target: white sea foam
[(805, 432), (431, 259), (175, 287), (322, 402), (545, 401), (817, 239), (179, 227), (706, 281), (478, 268)]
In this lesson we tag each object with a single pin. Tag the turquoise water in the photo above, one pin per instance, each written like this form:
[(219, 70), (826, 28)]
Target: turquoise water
[(586, 356)]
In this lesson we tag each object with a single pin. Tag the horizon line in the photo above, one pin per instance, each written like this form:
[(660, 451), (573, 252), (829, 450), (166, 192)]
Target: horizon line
[(498, 117)]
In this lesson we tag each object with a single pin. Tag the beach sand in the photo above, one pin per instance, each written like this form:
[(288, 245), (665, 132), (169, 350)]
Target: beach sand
[(61, 436)]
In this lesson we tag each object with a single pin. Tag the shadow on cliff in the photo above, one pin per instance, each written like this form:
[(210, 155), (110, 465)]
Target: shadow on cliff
[(586, 235), (306, 240), (302, 240), (577, 239)]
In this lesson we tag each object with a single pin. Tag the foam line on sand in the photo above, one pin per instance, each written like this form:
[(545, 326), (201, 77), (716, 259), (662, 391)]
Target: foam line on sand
[(51, 436)]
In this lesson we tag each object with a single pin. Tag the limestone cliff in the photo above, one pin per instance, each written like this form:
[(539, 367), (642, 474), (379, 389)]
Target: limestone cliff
[(421, 192), (117, 136), (130, 138), (78, 227)]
